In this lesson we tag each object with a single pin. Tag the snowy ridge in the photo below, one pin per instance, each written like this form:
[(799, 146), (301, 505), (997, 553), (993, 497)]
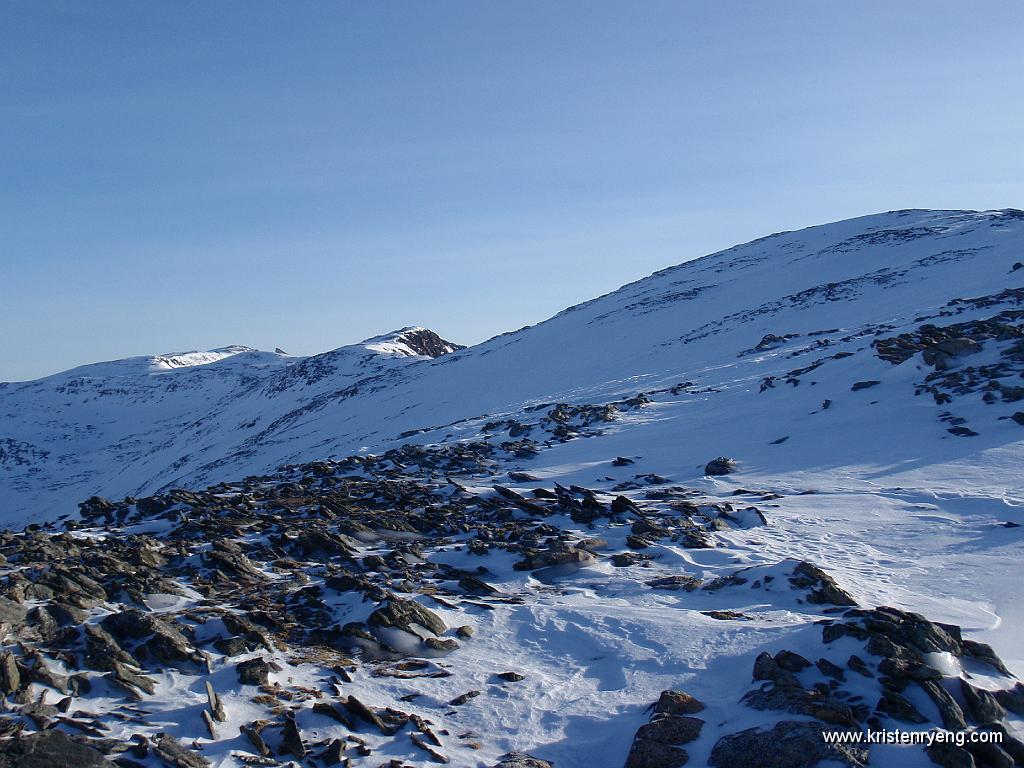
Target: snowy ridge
[(688, 321)]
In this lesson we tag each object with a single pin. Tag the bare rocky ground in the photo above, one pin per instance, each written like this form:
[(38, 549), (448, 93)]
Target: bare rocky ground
[(225, 592)]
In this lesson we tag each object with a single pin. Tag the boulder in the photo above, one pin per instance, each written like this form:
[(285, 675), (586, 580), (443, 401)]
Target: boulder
[(673, 702), (521, 760), (535, 560), (254, 672), (789, 744), (13, 614), (10, 677), (176, 755), (50, 749), (403, 614), (822, 588), (720, 466)]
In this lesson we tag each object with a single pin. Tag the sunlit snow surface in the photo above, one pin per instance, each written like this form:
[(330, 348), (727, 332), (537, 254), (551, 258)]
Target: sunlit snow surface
[(903, 513)]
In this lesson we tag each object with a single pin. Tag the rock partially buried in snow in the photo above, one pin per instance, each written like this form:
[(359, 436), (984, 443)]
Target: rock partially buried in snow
[(658, 744), (673, 702), (789, 744), (172, 752), (822, 587), (254, 672), (406, 615), (942, 354), (720, 466), (568, 557), (50, 749), (521, 760)]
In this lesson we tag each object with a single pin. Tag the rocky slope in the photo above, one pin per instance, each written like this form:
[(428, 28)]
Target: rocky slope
[(693, 522), (126, 425)]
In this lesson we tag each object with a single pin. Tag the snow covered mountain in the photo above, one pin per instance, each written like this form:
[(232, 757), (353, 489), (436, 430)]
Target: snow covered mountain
[(776, 490), (135, 426), (120, 426)]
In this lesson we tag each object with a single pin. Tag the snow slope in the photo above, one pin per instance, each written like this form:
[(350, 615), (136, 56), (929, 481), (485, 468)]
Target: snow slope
[(98, 431), (894, 466)]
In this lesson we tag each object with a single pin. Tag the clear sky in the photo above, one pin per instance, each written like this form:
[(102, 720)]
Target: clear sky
[(186, 175)]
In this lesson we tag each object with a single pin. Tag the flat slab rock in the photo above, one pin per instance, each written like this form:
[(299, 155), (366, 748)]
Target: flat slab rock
[(521, 760), (789, 744), (50, 749)]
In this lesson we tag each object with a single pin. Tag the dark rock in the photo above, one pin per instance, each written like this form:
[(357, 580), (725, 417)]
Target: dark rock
[(949, 755), (50, 749), (950, 712), (164, 640), (626, 559), (677, 703), (791, 662), (462, 698), (675, 582), (727, 615), (554, 557), (254, 672), (445, 644), (980, 705), (911, 670), (789, 744), (102, 651), (1012, 699), (10, 677), (231, 646), (645, 753), (720, 466), (899, 708), (291, 739), (695, 538), (403, 614), (331, 711), (990, 755), (798, 701), (823, 588), (622, 504), (671, 729), (829, 669), (984, 652), (13, 614), (857, 664), (168, 749), (364, 713), (648, 529), (1009, 744), (475, 586), (859, 385), (767, 668), (521, 760)]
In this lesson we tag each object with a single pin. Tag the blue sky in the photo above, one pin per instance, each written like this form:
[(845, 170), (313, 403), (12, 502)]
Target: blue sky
[(306, 174)]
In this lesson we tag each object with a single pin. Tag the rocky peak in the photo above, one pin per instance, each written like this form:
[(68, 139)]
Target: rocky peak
[(424, 341)]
